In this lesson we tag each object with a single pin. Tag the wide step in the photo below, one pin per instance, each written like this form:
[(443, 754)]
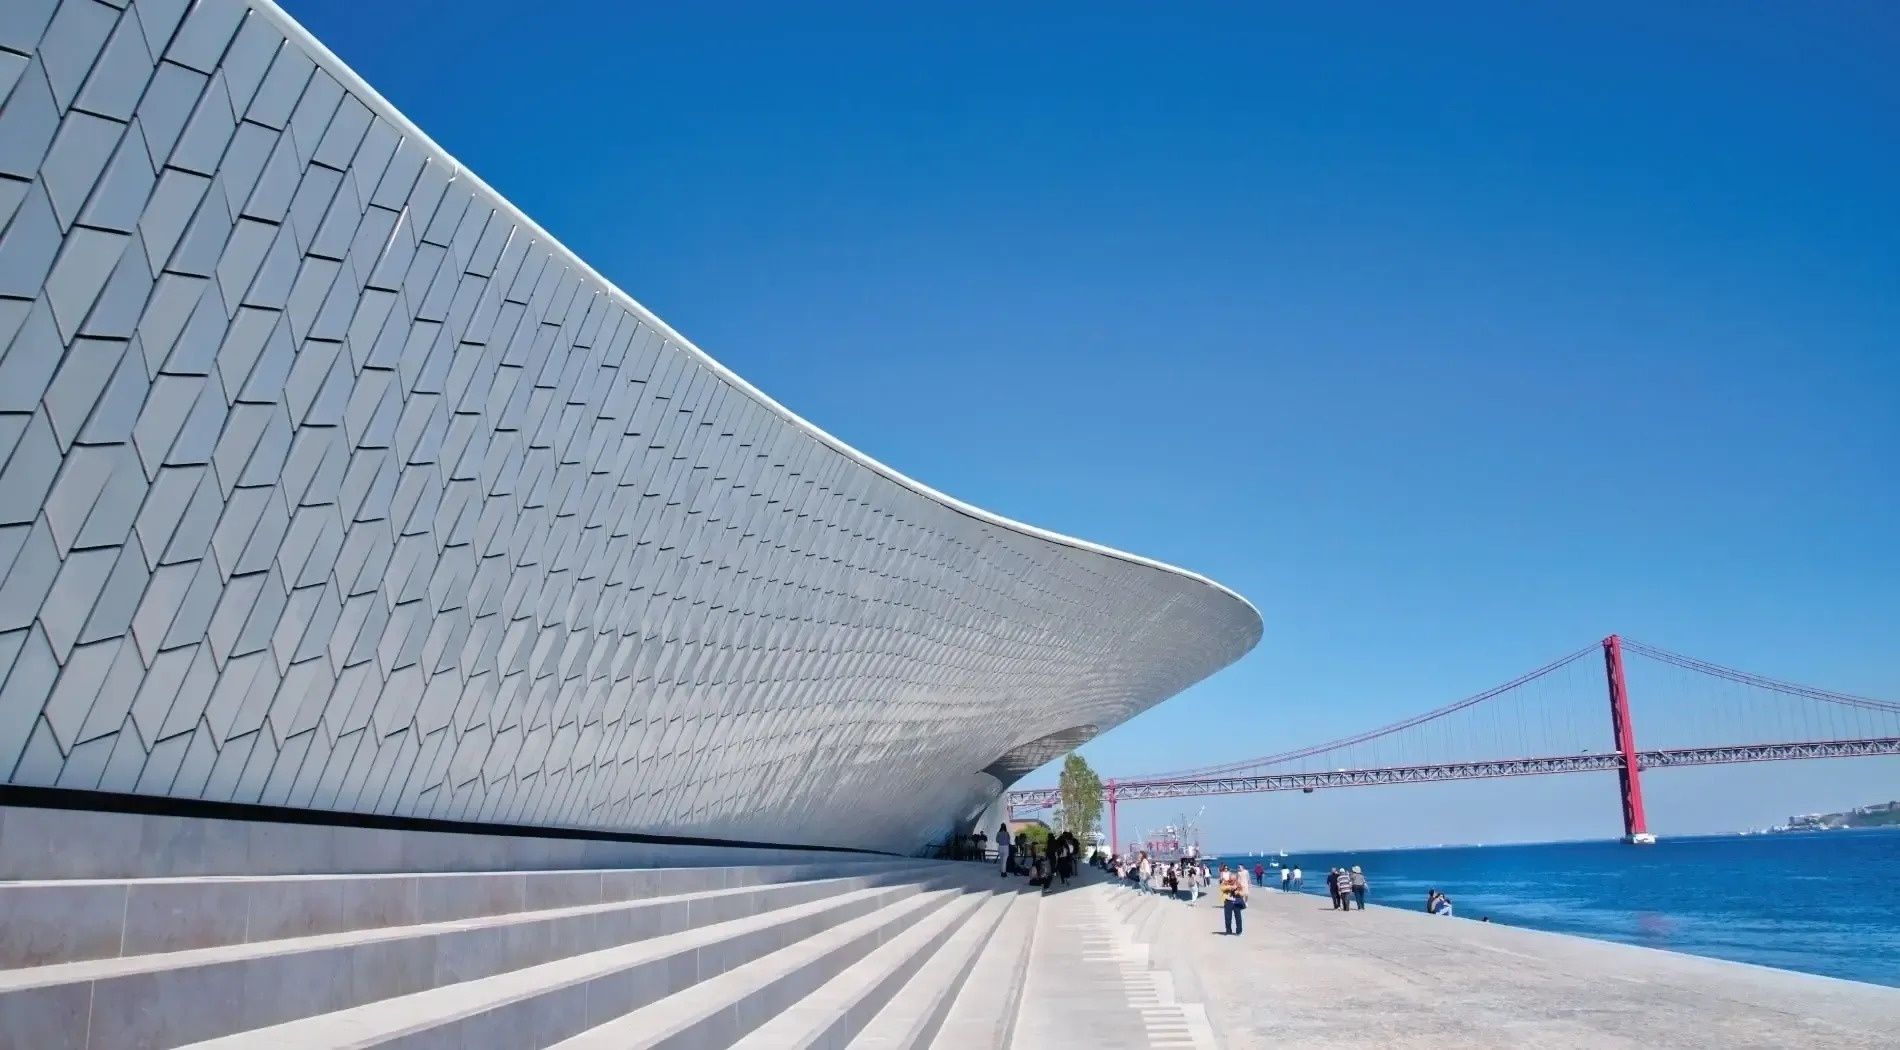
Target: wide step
[(983, 1015), (845, 1004), (540, 1004), (168, 999), (872, 954), (716, 1012), (916, 1013), (46, 922)]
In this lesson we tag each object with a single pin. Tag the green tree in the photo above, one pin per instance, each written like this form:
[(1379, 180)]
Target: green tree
[(1081, 792)]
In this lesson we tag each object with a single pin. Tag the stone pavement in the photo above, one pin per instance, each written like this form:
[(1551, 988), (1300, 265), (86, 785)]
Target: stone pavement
[(1308, 977), (1091, 982)]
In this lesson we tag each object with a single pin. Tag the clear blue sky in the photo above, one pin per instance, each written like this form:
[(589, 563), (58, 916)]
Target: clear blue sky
[(1455, 335)]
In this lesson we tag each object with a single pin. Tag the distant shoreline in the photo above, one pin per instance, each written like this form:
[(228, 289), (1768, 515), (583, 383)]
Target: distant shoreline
[(1699, 837)]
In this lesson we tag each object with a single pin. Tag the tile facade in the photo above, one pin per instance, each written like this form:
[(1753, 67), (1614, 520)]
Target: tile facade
[(329, 480)]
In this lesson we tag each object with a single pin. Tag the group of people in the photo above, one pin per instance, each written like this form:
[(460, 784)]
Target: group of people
[(1023, 856), (1188, 877), (1185, 878), (1347, 887)]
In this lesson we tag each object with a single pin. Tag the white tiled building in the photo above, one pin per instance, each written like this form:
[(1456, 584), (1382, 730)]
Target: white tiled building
[(328, 480)]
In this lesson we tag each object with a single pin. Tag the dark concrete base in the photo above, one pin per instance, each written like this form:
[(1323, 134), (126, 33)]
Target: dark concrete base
[(40, 843)]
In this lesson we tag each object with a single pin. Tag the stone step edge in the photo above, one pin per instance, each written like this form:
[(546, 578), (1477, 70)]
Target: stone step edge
[(372, 1024), (362, 876), (1003, 962), (678, 1016), (841, 1007), (913, 1016), (31, 934), (29, 977)]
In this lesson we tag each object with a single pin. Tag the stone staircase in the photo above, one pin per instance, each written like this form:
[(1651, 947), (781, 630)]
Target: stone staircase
[(846, 955), (1106, 973)]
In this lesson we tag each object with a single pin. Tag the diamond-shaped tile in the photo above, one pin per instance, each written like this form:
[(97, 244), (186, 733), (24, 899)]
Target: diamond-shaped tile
[(248, 59), (76, 160), (32, 241), (201, 40)]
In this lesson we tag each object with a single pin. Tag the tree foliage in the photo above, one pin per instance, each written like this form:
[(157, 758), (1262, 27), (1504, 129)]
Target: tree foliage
[(1081, 790)]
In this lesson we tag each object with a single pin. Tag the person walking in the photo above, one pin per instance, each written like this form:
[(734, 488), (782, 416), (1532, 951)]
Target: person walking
[(1286, 880), (1259, 875), (1336, 889), (1299, 880), (1003, 849), (1356, 881)]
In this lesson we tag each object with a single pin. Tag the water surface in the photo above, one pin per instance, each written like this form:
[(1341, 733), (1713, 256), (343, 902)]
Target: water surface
[(1822, 902)]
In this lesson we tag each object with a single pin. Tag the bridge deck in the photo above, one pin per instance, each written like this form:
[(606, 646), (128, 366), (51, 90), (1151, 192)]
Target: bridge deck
[(1306, 976)]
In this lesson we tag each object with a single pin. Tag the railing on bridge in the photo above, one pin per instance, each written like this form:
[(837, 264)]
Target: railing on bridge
[(1537, 716)]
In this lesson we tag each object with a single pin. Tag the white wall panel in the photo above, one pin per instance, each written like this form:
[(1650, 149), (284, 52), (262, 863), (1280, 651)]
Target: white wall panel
[(328, 479)]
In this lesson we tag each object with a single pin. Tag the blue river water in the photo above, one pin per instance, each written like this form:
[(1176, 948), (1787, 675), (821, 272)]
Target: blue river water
[(1820, 902)]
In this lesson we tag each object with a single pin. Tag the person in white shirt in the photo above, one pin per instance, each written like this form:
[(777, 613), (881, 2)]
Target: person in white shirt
[(1286, 879)]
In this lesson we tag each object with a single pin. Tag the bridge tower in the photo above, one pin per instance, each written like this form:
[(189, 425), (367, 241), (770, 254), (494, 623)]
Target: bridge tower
[(1114, 825), (1635, 824)]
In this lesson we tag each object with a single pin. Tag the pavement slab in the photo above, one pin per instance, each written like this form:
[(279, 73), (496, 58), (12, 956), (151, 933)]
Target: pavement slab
[(1304, 975), (1092, 981)]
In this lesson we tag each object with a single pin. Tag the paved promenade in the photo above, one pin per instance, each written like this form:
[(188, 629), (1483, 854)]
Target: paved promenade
[(1092, 981), (1306, 976)]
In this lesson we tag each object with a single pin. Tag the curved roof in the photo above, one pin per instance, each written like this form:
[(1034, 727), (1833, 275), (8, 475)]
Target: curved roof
[(379, 500), (358, 86)]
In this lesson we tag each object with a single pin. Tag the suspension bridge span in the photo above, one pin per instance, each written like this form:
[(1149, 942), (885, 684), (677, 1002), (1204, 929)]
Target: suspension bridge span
[(1549, 721)]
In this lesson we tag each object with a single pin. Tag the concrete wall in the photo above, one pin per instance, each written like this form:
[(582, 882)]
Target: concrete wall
[(39, 844), (329, 480)]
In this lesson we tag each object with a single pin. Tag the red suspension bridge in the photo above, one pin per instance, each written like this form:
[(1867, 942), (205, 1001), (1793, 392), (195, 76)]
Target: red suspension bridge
[(1702, 713)]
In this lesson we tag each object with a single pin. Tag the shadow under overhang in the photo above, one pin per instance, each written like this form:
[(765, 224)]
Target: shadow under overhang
[(1019, 761)]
